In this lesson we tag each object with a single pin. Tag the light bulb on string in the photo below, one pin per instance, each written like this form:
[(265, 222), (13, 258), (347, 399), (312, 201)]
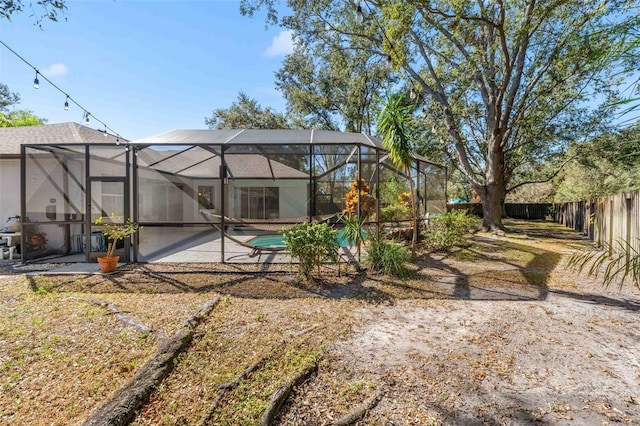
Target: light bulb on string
[(423, 113), (359, 15), (105, 131), (66, 104), (36, 82), (86, 117), (117, 140), (389, 61), (412, 93)]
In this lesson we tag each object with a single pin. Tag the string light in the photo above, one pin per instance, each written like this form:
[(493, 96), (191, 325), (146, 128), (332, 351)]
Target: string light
[(36, 85), (412, 93), (359, 15)]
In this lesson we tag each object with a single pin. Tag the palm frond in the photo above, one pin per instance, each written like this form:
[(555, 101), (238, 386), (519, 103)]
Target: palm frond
[(622, 267)]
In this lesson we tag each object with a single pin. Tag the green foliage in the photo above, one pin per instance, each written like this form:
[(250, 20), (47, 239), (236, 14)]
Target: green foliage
[(449, 230), (246, 113), (115, 231), (312, 244), (394, 213), (353, 229), (20, 118), (49, 9), (394, 123), (589, 174), (391, 189), (624, 266), (388, 258), (15, 118)]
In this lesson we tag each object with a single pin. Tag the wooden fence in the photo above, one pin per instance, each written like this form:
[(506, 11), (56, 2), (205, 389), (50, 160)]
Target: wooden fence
[(531, 211), (610, 220)]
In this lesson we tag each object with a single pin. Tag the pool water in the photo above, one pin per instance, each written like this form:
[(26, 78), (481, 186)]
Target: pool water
[(278, 240)]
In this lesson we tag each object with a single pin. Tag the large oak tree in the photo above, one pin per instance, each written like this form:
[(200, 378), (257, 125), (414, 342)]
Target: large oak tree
[(505, 83)]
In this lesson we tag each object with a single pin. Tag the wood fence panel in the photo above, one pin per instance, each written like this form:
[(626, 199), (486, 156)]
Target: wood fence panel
[(613, 221), (531, 211)]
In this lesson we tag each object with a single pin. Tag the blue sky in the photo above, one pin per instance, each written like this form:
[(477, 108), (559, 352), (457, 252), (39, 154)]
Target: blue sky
[(143, 67)]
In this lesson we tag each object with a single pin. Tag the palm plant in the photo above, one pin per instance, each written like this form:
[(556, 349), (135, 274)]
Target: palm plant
[(394, 120)]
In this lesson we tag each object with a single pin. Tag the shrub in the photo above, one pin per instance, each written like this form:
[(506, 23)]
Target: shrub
[(394, 213), (448, 231), (388, 258), (312, 244)]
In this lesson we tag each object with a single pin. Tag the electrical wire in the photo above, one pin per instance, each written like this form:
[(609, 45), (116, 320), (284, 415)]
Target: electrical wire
[(86, 113)]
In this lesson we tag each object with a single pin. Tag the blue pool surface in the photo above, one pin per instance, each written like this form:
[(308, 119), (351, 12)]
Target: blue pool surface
[(278, 240)]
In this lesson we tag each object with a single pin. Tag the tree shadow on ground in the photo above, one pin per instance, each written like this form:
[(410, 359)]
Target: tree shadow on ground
[(597, 299), (490, 268)]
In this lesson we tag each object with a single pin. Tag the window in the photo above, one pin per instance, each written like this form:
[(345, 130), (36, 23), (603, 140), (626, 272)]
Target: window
[(257, 202), (161, 201)]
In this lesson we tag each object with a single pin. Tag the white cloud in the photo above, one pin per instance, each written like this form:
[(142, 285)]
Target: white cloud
[(282, 44), (54, 70)]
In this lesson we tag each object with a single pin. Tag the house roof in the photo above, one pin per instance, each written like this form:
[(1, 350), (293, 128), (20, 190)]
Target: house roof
[(12, 137), (199, 163)]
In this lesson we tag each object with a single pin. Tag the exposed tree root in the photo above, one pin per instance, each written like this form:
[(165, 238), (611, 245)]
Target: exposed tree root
[(142, 328), (235, 382), (281, 394), (122, 406), (359, 411)]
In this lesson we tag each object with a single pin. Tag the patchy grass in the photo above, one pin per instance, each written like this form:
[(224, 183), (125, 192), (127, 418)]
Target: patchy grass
[(62, 355)]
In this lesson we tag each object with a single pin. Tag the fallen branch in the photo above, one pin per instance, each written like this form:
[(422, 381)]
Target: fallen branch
[(127, 400), (281, 394), (234, 383), (359, 411)]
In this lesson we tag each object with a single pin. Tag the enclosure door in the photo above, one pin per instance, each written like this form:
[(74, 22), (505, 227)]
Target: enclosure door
[(107, 198)]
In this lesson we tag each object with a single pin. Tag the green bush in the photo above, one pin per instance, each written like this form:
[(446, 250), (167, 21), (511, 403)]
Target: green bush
[(388, 258), (394, 213), (449, 230), (312, 244)]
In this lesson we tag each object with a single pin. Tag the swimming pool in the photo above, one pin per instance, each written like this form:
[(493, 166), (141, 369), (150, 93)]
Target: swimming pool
[(278, 240)]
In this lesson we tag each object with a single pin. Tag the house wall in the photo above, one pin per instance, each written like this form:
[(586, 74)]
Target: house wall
[(9, 189)]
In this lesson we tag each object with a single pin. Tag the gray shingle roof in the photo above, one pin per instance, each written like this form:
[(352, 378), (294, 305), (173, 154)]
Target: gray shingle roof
[(12, 137)]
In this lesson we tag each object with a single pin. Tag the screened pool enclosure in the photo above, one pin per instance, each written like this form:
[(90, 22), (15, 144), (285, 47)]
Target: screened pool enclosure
[(200, 195)]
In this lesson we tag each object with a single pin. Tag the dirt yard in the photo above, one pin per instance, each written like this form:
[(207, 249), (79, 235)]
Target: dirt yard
[(497, 333)]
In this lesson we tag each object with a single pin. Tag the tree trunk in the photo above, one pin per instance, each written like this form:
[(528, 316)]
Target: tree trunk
[(492, 193), (491, 197), (414, 214)]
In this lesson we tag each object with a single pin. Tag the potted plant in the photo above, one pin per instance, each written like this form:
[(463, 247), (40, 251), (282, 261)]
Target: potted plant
[(114, 232)]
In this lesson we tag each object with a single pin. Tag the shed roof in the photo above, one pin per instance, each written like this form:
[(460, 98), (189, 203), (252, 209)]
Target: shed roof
[(12, 137)]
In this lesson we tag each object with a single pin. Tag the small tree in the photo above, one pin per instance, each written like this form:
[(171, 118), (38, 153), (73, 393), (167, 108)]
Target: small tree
[(313, 244), (116, 231)]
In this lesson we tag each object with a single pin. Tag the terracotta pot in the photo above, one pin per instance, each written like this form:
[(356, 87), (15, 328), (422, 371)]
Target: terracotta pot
[(108, 264)]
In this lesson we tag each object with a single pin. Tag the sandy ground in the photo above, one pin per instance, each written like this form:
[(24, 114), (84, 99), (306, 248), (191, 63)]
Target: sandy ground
[(572, 357)]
